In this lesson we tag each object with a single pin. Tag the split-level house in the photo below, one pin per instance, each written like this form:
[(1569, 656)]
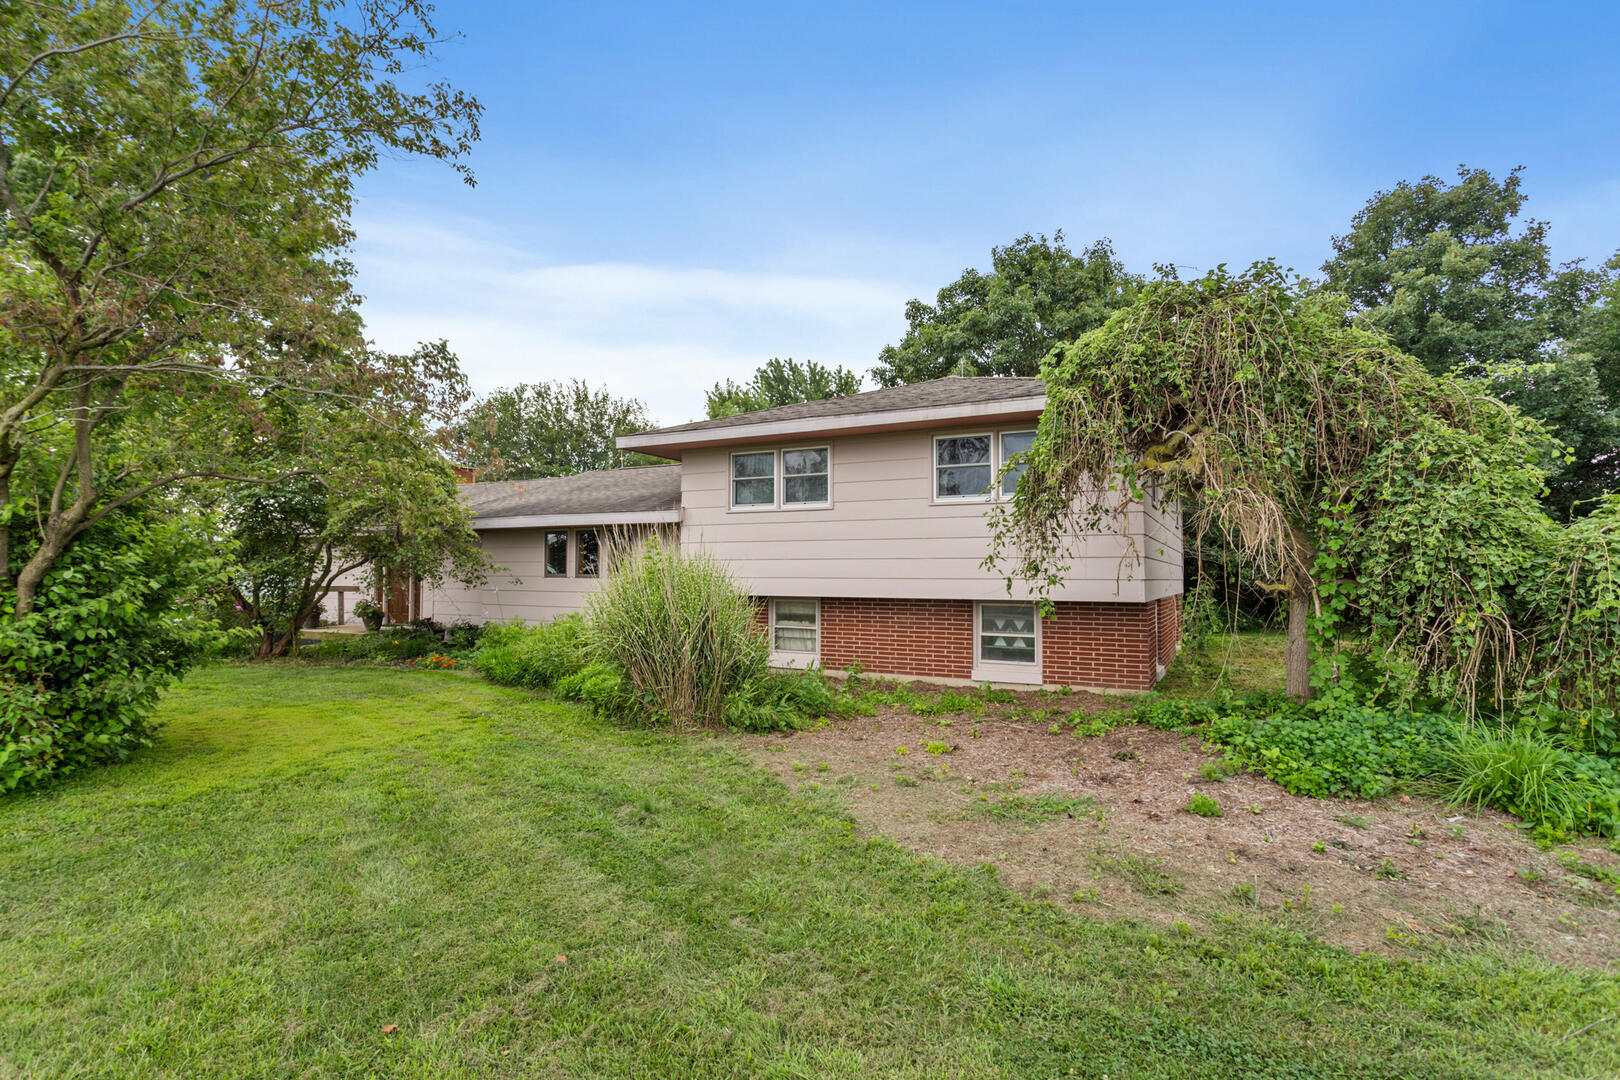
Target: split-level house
[(860, 525)]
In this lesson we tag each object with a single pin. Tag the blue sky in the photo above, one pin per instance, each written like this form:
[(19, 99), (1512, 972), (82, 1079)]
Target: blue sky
[(668, 196)]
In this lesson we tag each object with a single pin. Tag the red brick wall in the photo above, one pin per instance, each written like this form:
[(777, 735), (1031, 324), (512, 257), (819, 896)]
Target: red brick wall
[(925, 638), (1169, 628), (1103, 645), (1091, 644)]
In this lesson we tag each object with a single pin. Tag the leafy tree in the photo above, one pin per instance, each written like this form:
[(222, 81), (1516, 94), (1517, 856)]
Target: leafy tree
[(354, 494), (1037, 294), (1564, 389), (175, 182), (1598, 335), (384, 505), (781, 382), (175, 185), (1396, 510), (1443, 271), (547, 429)]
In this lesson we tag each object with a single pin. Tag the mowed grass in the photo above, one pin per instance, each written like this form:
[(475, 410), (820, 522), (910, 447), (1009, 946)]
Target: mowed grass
[(327, 872)]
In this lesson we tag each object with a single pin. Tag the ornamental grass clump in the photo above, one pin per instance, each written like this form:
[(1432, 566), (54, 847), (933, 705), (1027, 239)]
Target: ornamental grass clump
[(1559, 792), (680, 629)]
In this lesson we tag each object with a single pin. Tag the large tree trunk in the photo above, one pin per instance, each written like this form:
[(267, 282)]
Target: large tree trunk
[(1299, 646)]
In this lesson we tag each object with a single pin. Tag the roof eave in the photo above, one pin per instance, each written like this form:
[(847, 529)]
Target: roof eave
[(542, 521), (674, 443)]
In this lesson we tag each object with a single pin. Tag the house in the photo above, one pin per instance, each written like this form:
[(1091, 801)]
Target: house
[(859, 523)]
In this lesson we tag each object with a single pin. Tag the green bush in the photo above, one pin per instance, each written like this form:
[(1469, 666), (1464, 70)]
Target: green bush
[(121, 615), (680, 629), (605, 689), (536, 657), (1203, 805), (783, 701), (1557, 791), (391, 643)]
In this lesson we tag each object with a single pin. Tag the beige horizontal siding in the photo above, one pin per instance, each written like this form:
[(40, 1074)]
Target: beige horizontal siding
[(884, 535), (521, 590)]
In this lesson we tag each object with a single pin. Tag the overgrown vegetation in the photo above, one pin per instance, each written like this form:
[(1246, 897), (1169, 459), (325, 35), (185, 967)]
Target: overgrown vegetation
[(669, 638), (1329, 747)]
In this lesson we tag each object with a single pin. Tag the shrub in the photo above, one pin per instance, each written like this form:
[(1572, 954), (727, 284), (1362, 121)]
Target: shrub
[(118, 620), (537, 657), (1557, 791), (388, 644), (680, 629), (604, 688), (784, 700)]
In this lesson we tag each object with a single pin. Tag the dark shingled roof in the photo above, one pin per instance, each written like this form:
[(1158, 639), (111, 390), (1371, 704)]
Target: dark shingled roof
[(952, 390), (605, 491)]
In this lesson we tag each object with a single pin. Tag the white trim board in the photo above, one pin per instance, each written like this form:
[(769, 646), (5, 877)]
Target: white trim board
[(772, 429), (541, 521)]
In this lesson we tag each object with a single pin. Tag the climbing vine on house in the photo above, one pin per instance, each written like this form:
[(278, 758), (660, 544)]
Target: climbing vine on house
[(1396, 510)]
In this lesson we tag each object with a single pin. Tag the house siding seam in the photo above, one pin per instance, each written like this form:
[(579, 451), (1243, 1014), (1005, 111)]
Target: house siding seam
[(1117, 646)]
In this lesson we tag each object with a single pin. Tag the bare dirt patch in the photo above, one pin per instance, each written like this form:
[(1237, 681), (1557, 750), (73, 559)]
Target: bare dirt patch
[(1101, 824)]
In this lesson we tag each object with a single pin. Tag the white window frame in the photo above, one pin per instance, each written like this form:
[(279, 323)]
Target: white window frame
[(933, 472), (732, 478), (1001, 459), (782, 478), (778, 480), (1006, 671), (997, 463), (793, 659)]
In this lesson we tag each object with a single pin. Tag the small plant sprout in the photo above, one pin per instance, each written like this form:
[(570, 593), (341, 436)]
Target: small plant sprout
[(1388, 871), (799, 766), (1355, 821), (902, 751), (937, 748), (1203, 806), (1319, 846), (822, 766)]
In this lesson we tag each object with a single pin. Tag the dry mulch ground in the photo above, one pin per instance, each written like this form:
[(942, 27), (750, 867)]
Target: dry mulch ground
[(1100, 824)]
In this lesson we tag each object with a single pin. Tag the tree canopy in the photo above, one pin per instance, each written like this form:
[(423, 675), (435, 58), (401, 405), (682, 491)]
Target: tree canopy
[(175, 183), (1037, 294), (781, 382), (546, 429), (1448, 273), (1397, 509)]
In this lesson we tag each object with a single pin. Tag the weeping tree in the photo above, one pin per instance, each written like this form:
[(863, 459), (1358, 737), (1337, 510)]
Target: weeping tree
[(1396, 510)]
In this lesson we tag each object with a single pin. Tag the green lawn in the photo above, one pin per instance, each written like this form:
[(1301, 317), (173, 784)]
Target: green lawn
[(312, 855)]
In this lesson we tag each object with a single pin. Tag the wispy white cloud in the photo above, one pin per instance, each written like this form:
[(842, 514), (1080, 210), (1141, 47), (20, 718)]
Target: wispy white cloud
[(661, 333)]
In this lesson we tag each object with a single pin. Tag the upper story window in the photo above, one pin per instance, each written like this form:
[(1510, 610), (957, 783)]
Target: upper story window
[(966, 466), (805, 477), (802, 476), (556, 554), (753, 479), (1013, 443), (962, 467)]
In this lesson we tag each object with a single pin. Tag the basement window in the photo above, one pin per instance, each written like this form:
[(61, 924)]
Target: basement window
[(794, 627), (1007, 633)]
